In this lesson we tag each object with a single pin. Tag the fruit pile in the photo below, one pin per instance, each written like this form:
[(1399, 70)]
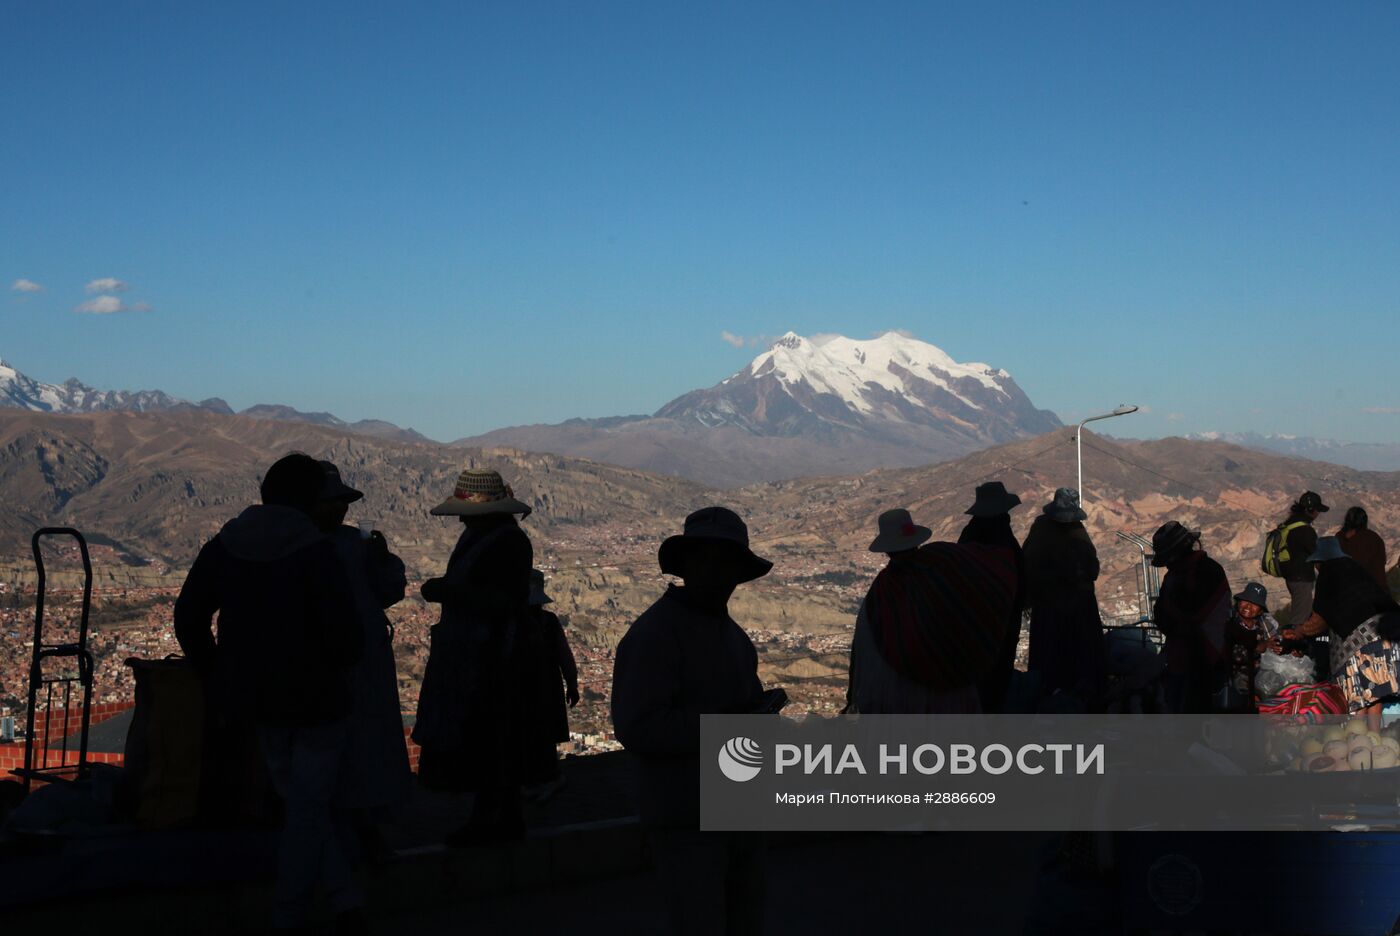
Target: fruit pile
[(1346, 746)]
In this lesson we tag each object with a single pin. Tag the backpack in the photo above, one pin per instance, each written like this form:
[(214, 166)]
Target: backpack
[(1276, 554)]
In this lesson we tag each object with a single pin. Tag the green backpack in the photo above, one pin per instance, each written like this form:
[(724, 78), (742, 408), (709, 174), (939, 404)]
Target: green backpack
[(1276, 553)]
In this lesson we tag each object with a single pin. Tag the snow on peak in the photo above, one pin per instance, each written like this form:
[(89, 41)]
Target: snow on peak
[(846, 367)]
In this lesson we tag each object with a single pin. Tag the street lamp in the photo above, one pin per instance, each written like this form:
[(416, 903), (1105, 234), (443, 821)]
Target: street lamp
[(1122, 409)]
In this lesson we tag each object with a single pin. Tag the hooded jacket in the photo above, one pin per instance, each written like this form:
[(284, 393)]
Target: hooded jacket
[(288, 632)]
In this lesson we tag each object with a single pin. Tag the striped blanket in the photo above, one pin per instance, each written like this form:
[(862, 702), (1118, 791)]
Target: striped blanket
[(939, 616), (1309, 702)]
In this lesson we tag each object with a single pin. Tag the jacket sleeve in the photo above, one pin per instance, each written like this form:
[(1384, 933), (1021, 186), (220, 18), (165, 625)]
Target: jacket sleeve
[(565, 654), (196, 606), (646, 711)]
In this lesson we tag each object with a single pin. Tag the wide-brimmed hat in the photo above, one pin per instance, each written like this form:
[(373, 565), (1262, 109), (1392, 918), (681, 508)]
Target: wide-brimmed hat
[(898, 532), (1328, 548), (1311, 500), (1255, 594), (1170, 541), (332, 488), (992, 500), (537, 592), (1065, 506), (480, 492), (712, 524)]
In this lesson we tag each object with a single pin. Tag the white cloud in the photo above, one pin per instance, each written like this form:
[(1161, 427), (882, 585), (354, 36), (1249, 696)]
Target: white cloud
[(141, 307), (1382, 410), (1175, 417), (26, 286), (107, 284), (102, 305), (747, 341), (730, 338)]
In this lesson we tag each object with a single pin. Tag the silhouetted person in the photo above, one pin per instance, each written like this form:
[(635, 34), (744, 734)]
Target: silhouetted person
[(1363, 544), (1300, 541), (288, 637), (683, 658), (470, 706), (1362, 620), (1066, 644), (991, 526), (921, 642), (377, 774), (553, 691), (1191, 612)]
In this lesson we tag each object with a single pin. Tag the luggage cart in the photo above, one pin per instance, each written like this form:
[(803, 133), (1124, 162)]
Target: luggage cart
[(59, 683)]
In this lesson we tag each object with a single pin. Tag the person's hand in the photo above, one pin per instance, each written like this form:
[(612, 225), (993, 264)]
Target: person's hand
[(572, 695), (378, 545)]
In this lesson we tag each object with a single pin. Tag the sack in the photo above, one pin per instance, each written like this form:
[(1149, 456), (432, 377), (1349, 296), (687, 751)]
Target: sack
[(164, 745), (1276, 555)]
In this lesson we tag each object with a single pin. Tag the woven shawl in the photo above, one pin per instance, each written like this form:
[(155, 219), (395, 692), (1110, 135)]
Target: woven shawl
[(939, 617)]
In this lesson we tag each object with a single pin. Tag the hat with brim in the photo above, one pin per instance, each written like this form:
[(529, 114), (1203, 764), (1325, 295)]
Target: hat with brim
[(899, 533), (479, 493), (1255, 594), (1170, 541), (333, 488), (1065, 507), (993, 499), (1328, 548), (712, 525), (538, 597)]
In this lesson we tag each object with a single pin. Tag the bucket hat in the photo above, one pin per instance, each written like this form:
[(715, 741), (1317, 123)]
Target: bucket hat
[(333, 488), (480, 492), (1065, 506), (898, 532), (1170, 540), (1255, 594), (712, 524), (992, 500), (1328, 548)]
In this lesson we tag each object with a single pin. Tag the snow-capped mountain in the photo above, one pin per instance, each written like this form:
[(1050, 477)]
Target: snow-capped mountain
[(73, 396), (893, 382), (18, 391), (808, 406)]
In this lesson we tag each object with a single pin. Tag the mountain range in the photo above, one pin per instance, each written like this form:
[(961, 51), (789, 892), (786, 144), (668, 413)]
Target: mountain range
[(18, 391), (1367, 456)]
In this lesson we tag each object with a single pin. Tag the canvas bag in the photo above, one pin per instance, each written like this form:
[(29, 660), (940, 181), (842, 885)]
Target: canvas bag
[(164, 745)]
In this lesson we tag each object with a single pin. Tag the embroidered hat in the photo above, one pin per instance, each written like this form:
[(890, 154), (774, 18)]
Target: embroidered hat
[(480, 492)]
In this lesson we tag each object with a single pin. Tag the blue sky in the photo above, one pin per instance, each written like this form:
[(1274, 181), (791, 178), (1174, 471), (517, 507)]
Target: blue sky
[(461, 216)]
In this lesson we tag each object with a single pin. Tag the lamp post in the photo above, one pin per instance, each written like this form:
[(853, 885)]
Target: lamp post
[(1122, 409)]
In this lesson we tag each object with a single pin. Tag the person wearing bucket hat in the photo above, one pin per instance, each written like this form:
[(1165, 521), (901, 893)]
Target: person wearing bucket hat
[(1066, 642), (990, 525), (1362, 620), (470, 724), (684, 657), (1192, 611), (898, 534), (554, 689), (377, 772)]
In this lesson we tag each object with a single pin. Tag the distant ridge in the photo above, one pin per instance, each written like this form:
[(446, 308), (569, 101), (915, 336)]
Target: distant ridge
[(18, 391)]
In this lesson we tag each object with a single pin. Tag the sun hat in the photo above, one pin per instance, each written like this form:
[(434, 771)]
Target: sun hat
[(992, 500), (480, 492), (1328, 548), (1170, 541), (1255, 594), (1065, 506), (332, 488), (712, 524), (537, 592), (898, 533)]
